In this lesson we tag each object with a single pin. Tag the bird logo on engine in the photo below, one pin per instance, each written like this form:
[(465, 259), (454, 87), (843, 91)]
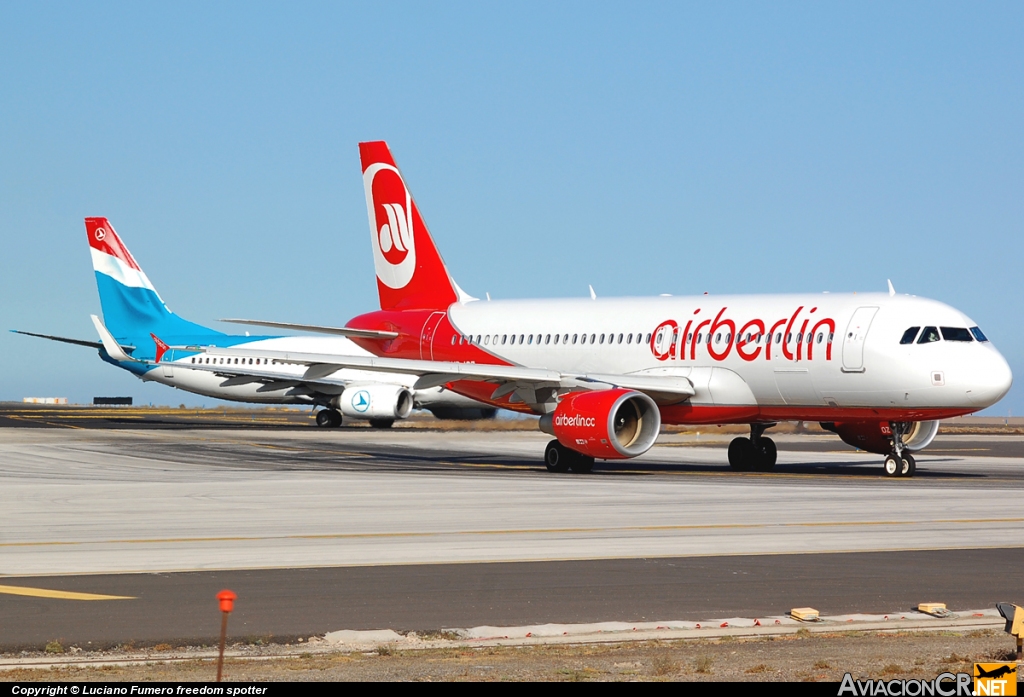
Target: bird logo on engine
[(361, 401)]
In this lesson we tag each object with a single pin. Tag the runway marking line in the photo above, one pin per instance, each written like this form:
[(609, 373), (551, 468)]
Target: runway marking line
[(60, 595), (524, 531), (517, 560)]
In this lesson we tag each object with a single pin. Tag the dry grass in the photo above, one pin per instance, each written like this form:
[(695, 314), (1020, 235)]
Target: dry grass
[(664, 665), (704, 664)]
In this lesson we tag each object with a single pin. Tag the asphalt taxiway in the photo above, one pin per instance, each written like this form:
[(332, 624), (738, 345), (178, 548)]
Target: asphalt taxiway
[(414, 529)]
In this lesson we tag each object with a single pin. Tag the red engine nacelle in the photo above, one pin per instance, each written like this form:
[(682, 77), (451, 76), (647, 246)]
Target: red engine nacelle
[(609, 424), (876, 436)]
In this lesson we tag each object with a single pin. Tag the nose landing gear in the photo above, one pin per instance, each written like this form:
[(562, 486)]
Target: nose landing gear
[(757, 453), (899, 463)]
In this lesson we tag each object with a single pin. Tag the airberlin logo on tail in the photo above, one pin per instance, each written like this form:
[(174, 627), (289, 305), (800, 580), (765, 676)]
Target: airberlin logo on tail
[(389, 207)]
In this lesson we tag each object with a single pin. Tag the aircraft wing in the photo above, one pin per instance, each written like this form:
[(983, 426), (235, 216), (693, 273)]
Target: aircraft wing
[(508, 378), (64, 339), (342, 331)]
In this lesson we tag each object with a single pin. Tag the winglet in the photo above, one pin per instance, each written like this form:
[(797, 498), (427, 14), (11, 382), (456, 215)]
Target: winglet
[(111, 346), (593, 295), (892, 291), (161, 347)]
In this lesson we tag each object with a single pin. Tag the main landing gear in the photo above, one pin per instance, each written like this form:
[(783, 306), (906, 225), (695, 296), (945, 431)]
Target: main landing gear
[(559, 458), (899, 463), (757, 453), (328, 418)]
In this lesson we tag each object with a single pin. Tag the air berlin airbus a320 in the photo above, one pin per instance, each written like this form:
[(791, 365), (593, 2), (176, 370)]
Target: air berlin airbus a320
[(879, 370)]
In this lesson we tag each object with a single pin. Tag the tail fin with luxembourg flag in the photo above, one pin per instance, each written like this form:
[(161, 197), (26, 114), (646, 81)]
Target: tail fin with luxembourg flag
[(410, 272), (132, 309)]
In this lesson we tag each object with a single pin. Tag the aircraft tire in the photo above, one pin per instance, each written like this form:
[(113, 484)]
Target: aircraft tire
[(557, 457), (328, 418), (767, 455), (742, 454), (909, 466), (581, 464), (891, 466), (382, 423)]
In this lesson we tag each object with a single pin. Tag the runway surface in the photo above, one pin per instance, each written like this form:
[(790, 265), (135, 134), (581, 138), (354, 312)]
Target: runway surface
[(359, 528), (181, 609)]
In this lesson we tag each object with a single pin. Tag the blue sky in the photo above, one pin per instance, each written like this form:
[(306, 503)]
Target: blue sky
[(641, 148)]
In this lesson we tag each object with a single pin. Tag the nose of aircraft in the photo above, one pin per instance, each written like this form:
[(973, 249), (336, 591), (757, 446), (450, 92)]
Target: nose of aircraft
[(990, 379)]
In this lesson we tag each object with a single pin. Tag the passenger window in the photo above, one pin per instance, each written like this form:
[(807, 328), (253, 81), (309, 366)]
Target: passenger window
[(487, 340), (821, 335), (504, 338), (910, 335), (620, 339), (453, 339), (565, 338), (601, 340), (700, 337), (529, 339), (648, 339), (629, 338), (978, 334), (778, 338), (928, 335), (593, 338), (575, 337), (956, 334), (257, 361), (718, 338), (728, 338)]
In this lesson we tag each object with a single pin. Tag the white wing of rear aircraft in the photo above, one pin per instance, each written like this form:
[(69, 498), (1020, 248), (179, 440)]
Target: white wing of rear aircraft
[(508, 379), (340, 331)]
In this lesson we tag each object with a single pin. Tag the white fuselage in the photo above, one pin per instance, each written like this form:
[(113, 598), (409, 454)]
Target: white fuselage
[(828, 352), (288, 388)]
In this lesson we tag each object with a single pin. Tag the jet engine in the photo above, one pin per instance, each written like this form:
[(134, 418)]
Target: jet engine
[(609, 424), (375, 401), (876, 436)]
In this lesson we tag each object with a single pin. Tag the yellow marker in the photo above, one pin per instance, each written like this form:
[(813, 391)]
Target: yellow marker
[(62, 595), (804, 614)]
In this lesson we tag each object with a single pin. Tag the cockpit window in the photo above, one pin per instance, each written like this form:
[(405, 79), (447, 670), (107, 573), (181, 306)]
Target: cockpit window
[(929, 335), (910, 335), (956, 334), (978, 334)]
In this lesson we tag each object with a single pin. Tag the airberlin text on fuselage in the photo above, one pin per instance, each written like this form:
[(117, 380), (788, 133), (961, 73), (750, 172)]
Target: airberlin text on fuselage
[(669, 342)]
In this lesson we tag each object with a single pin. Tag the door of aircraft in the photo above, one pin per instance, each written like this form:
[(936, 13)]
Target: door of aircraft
[(427, 336), (853, 342), (168, 370)]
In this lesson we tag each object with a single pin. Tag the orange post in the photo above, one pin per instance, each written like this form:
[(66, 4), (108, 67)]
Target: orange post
[(227, 604)]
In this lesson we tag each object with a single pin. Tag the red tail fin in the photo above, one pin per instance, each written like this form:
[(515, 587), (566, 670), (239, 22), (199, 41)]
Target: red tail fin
[(410, 272)]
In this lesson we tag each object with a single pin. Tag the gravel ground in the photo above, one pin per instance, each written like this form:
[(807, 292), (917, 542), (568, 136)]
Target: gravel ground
[(823, 657)]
